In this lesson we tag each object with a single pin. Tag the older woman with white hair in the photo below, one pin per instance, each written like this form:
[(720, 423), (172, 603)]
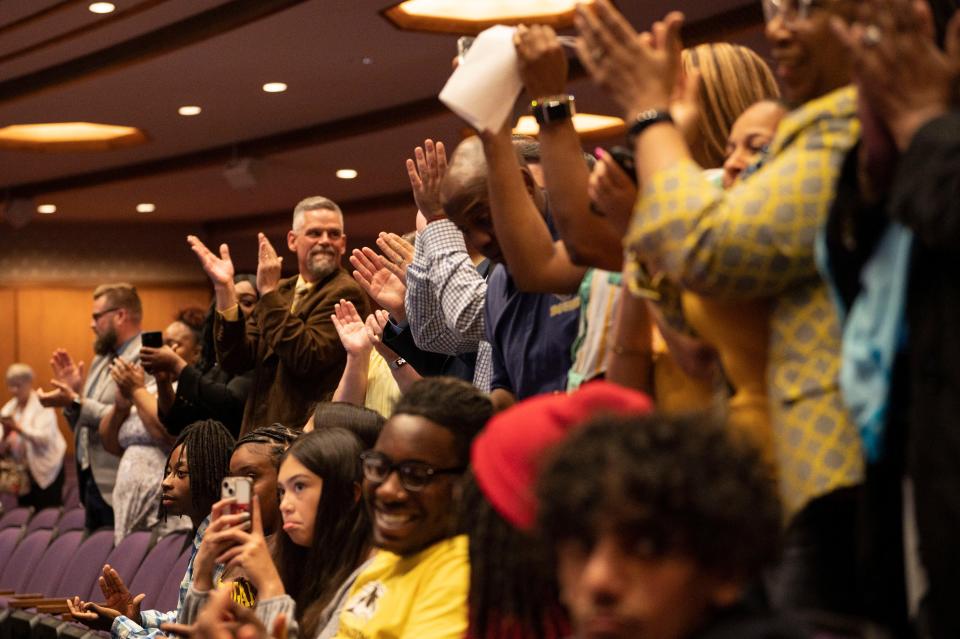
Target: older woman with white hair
[(30, 433)]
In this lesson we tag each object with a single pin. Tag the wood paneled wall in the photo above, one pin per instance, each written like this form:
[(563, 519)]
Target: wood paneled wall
[(34, 321)]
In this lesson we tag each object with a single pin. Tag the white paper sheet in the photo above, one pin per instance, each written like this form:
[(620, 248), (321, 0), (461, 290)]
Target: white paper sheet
[(485, 86)]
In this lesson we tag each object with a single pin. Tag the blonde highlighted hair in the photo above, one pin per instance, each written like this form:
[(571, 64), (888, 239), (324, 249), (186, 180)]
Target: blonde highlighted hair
[(732, 78)]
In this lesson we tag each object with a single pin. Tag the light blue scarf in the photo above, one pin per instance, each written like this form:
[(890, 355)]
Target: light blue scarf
[(873, 332)]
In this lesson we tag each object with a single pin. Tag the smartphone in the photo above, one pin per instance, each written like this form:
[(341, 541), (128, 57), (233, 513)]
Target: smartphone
[(624, 157), (152, 339), (240, 489), (463, 45)]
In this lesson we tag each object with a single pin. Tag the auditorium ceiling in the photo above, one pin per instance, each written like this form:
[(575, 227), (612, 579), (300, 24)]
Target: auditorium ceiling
[(360, 94)]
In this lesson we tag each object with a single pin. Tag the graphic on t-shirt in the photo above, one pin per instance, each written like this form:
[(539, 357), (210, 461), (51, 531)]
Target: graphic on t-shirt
[(363, 605)]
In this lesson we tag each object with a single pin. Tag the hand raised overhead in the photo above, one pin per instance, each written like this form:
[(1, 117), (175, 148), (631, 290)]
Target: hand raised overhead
[(426, 173), (541, 60)]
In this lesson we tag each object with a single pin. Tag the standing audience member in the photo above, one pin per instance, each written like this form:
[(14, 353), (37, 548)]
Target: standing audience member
[(659, 525), (290, 343), (30, 433), (190, 390), (756, 242), (115, 321), (195, 469), (891, 248), (513, 588)]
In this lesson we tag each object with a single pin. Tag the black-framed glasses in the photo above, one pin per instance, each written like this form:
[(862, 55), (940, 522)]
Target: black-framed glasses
[(96, 316), (414, 475)]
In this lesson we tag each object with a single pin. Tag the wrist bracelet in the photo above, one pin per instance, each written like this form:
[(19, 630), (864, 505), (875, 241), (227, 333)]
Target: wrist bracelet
[(646, 119)]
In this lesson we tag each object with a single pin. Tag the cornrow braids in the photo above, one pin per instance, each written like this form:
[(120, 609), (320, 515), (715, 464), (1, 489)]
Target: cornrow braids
[(277, 436), (209, 445)]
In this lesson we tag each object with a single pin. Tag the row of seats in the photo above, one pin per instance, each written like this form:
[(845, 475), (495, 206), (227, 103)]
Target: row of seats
[(43, 563)]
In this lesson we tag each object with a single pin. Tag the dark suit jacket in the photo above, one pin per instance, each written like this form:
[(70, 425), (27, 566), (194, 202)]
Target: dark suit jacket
[(297, 357)]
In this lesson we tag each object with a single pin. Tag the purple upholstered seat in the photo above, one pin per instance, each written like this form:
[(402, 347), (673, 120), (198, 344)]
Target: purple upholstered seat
[(8, 543), (8, 502), (82, 570), (15, 518), (45, 574), (71, 495), (170, 591), (46, 519), (72, 519), (125, 559), (20, 567), (155, 568)]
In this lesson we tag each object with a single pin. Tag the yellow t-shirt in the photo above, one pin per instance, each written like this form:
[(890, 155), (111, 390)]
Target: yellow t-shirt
[(422, 595)]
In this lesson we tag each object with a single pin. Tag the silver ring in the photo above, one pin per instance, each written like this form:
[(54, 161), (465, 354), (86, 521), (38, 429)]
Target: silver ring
[(871, 36)]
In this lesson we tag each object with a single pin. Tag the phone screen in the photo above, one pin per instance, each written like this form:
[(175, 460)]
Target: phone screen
[(152, 339)]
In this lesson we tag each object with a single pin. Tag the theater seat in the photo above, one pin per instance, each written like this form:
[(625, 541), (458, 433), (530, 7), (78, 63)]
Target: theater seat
[(15, 518), (46, 519), (72, 519), (155, 568)]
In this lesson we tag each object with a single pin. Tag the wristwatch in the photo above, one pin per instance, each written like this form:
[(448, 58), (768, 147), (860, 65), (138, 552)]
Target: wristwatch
[(397, 363), (553, 108)]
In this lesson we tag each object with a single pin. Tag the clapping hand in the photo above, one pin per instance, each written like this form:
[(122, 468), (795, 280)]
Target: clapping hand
[(128, 377), (426, 173), (353, 333), (399, 253), (66, 371), (268, 266), (374, 274), (218, 269)]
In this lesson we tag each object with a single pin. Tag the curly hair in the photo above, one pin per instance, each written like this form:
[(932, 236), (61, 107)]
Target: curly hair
[(512, 581), (451, 403), (683, 484)]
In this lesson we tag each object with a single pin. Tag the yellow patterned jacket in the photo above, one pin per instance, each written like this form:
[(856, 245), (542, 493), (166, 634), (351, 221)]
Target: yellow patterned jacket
[(756, 241)]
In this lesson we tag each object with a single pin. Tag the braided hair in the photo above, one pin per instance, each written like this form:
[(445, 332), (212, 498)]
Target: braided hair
[(277, 436), (513, 590), (209, 444)]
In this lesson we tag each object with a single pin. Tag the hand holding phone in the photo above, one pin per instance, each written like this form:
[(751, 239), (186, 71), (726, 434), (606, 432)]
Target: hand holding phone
[(152, 339), (239, 489)]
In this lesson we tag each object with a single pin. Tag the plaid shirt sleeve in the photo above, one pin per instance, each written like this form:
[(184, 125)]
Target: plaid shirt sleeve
[(757, 239)]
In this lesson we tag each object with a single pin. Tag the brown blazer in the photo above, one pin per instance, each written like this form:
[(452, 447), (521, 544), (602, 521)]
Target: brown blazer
[(297, 357)]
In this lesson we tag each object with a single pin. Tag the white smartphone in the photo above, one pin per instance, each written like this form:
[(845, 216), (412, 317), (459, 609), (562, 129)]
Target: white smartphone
[(240, 489)]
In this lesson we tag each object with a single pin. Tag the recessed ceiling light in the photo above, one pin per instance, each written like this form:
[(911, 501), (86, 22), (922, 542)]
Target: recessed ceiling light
[(275, 87), (586, 124), (102, 7), (346, 174), (189, 110), (146, 207), (69, 136), (47, 209), (367, 60), (473, 16)]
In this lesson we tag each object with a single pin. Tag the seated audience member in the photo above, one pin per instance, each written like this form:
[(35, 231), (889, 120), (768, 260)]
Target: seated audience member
[(755, 242), (513, 589), (196, 389), (366, 424), (290, 343), (530, 334), (325, 538), (659, 525), (892, 245), (133, 431), (29, 434), (447, 280), (374, 375), (115, 320), (384, 278), (195, 469)]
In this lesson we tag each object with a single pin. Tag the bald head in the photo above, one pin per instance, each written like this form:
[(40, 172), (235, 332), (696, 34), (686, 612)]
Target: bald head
[(465, 183)]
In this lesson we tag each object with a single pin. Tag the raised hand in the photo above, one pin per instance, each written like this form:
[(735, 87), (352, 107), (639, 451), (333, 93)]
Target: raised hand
[(897, 66), (218, 269), (399, 253), (426, 173), (161, 360), (612, 191), (61, 396), (351, 329), (541, 60), (638, 71), (116, 596), (66, 371), (374, 275), (268, 266)]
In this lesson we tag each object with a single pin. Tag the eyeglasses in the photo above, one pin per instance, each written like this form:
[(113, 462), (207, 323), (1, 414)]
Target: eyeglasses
[(789, 10), (414, 476), (96, 316)]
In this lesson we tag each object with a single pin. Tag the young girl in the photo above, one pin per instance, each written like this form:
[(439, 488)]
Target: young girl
[(326, 534), (195, 469)]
